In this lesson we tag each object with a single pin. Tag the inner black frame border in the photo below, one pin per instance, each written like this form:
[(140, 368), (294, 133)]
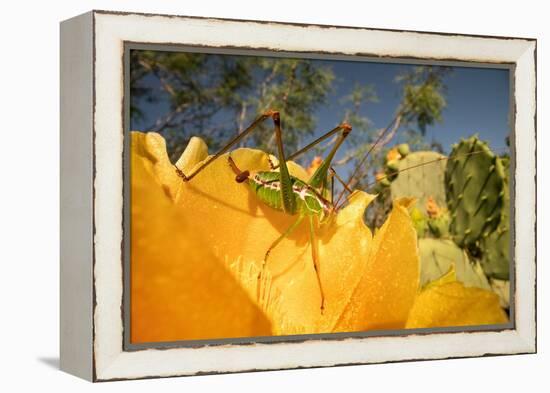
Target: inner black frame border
[(230, 50)]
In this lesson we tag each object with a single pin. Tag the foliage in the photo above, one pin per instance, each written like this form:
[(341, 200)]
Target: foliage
[(423, 96), (217, 96)]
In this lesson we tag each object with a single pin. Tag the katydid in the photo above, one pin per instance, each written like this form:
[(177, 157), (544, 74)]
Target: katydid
[(284, 192)]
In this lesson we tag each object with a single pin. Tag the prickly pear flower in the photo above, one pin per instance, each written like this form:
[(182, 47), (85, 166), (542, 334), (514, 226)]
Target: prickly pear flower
[(379, 176), (393, 154), (447, 302), (432, 208), (198, 248), (315, 163)]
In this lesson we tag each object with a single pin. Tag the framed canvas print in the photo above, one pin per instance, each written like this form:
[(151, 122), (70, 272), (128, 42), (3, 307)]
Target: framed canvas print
[(246, 195)]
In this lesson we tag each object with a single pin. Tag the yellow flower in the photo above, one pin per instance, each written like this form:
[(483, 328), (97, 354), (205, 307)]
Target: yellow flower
[(197, 249), (379, 176), (393, 154), (315, 163), (432, 208), (447, 302), (179, 289)]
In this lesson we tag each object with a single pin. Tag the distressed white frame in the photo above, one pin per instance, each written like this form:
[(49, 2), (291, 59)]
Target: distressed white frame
[(109, 361)]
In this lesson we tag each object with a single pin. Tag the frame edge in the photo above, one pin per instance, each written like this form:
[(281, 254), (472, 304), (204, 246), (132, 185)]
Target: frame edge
[(76, 203)]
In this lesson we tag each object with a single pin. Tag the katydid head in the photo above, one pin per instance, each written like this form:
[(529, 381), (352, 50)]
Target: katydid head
[(275, 115), (242, 177), (346, 128)]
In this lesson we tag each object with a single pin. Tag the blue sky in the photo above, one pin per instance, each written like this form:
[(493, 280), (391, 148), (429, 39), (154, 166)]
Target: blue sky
[(477, 101)]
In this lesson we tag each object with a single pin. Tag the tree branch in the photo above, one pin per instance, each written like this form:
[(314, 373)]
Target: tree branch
[(242, 117)]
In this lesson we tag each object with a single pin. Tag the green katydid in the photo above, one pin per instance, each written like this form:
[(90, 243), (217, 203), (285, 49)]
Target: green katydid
[(284, 192)]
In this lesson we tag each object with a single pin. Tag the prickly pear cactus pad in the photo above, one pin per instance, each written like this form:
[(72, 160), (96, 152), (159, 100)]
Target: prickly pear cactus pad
[(438, 255), (496, 246), (423, 180), (502, 289), (403, 149), (474, 180)]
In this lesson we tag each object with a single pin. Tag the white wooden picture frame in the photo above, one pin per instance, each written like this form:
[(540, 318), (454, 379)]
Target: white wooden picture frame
[(92, 195)]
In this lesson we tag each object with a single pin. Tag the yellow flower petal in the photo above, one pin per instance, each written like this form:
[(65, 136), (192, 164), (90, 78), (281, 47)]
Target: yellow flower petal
[(393, 154), (389, 282), (446, 278), (151, 147), (343, 246), (194, 153), (179, 289), (241, 229), (445, 303)]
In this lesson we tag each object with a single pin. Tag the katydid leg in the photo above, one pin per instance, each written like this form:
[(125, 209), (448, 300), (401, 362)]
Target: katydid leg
[(288, 200), (319, 177), (229, 145), (331, 176), (315, 257), (286, 233), (342, 182), (317, 141)]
